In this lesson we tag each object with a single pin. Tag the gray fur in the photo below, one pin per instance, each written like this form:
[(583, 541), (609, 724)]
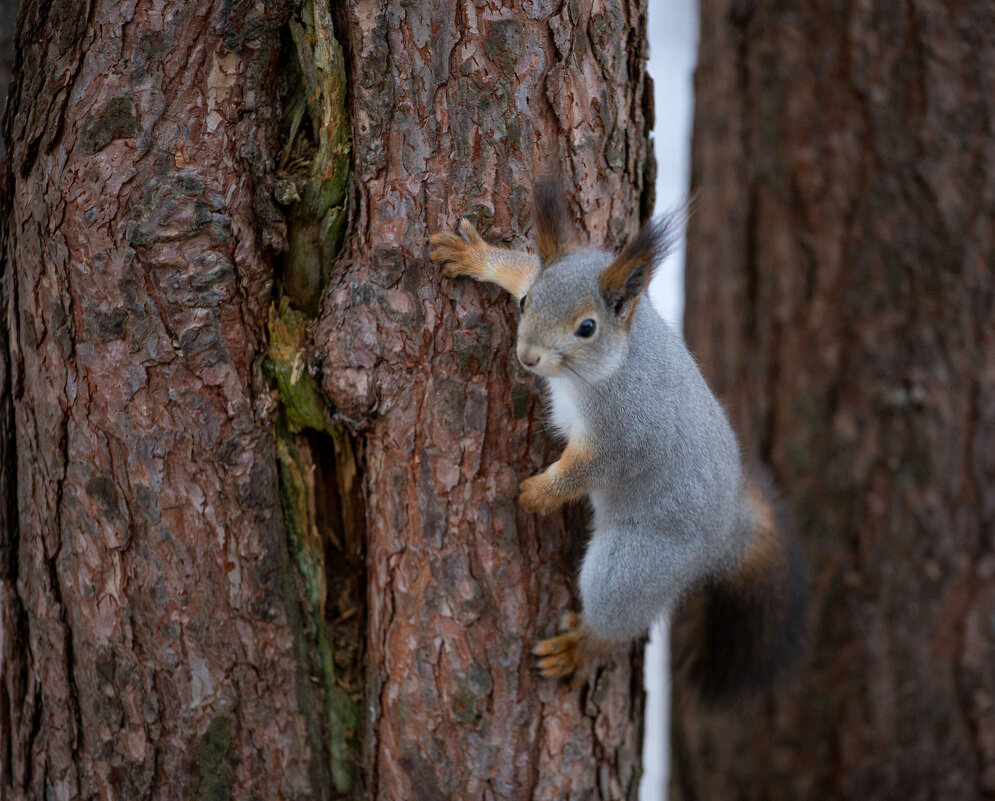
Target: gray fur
[(670, 506)]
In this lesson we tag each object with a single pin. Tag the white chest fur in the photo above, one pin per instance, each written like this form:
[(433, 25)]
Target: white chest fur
[(565, 407)]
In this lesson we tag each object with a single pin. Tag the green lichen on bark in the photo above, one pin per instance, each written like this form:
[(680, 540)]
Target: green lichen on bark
[(302, 402), (315, 162), (213, 782), (303, 408), (297, 490), (297, 485), (343, 720), (312, 183), (117, 121)]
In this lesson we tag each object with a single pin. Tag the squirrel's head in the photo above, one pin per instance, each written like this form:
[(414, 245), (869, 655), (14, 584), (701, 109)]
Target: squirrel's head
[(579, 310)]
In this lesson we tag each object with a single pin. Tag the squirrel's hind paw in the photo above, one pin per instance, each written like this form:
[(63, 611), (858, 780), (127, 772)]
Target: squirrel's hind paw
[(566, 655), (558, 656)]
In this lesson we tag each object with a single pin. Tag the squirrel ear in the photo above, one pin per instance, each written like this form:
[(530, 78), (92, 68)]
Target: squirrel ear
[(551, 220), (627, 277)]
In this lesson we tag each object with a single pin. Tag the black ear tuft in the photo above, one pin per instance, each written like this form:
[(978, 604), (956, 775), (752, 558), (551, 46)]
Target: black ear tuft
[(551, 220), (628, 276)]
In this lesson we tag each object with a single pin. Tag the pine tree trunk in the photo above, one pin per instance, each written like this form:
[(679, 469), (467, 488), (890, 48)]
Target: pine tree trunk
[(461, 581), (840, 297), (153, 642), (8, 20), (258, 459)]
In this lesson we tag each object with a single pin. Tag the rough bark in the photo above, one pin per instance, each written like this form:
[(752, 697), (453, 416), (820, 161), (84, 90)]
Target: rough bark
[(195, 452), (455, 110), (154, 642), (840, 296)]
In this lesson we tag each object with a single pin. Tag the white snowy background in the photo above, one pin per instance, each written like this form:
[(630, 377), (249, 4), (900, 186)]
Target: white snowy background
[(673, 35)]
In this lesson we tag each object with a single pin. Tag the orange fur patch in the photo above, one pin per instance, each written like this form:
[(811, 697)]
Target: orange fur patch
[(558, 483), (614, 278), (466, 253), (458, 256), (766, 548), (538, 495), (578, 453), (511, 270)]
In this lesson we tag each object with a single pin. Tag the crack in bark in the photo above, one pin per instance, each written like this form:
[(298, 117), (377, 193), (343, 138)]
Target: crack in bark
[(33, 732)]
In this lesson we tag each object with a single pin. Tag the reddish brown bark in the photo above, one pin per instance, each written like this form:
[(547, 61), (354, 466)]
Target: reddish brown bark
[(171, 608), (150, 613), (456, 109), (839, 297)]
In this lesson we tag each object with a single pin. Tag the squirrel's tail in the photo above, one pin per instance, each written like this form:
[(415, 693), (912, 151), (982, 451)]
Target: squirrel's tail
[(748, 625)]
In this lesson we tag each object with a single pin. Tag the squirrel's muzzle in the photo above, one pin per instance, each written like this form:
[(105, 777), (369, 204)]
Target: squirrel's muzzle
[(529, 355)]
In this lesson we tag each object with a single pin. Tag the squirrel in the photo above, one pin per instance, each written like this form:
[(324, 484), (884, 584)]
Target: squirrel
[(675, 514)]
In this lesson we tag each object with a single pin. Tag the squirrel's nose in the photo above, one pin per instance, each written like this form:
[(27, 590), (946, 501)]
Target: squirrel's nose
[(529, 356)]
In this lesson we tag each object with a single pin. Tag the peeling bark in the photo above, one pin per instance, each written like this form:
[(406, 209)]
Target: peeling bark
[(839, 296)]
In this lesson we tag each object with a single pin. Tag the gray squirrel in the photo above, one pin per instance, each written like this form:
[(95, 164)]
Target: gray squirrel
[(674, 511)]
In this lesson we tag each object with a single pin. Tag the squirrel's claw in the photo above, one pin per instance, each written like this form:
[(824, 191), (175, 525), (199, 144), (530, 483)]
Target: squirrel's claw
[(468, 231), (447, 250)]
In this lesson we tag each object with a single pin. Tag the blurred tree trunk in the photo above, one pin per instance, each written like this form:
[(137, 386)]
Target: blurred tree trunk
[(259, 461), (841, 299), (8, 20)]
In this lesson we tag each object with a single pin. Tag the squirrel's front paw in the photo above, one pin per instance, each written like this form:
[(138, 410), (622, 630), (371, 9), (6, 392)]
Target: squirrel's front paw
[(537, 494), (460, 254), (566, 655)]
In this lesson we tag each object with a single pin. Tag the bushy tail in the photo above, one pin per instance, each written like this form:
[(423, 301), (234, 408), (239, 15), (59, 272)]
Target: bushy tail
[(748, 625)]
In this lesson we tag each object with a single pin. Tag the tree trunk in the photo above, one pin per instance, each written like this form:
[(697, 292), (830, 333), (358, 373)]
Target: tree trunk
[(455, 111), (153, 635), (258, 460), (840, 296), (8, 18)]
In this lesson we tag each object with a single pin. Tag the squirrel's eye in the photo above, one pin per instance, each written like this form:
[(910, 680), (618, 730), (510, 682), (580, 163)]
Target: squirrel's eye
[(521, 303), (586, 329)]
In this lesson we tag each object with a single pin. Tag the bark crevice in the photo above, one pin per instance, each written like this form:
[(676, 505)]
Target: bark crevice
[(318, 464)]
